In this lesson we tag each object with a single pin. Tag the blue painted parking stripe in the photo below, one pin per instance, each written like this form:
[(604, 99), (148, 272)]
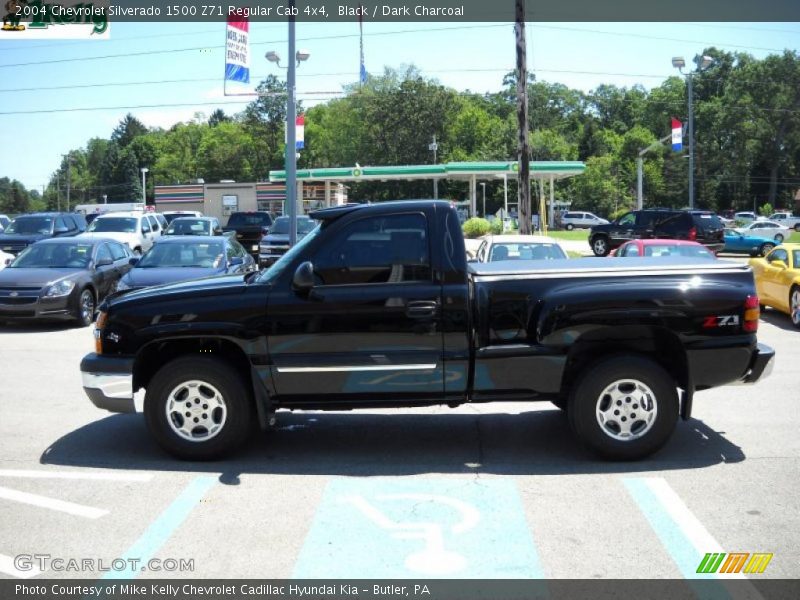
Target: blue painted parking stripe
[(164, 526), (411, 528)]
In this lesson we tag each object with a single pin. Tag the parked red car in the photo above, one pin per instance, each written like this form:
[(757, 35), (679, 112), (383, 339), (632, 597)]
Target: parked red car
[(663, 248)]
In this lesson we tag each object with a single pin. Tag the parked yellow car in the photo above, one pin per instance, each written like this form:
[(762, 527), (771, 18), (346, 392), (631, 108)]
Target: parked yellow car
[(778, 280)]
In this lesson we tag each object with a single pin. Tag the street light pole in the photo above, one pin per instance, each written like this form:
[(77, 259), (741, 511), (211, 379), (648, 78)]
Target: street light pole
[(434, 146), (144, 171), (291, 135), (483, 185)]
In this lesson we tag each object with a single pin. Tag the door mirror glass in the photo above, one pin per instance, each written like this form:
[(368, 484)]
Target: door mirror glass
[(303, 280), (60, 230)]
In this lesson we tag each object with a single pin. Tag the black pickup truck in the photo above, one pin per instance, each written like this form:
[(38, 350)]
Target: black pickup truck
[(377, 307)]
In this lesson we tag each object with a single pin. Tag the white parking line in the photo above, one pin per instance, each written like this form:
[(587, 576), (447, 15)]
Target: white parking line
[(44, 502), (7, 567), (75, 475)]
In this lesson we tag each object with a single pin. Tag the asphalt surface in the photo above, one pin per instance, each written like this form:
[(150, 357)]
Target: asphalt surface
[(497, 490)]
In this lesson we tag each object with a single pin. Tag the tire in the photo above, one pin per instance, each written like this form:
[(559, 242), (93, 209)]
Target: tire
[(561, 404), (778, 238), (609, 382), (600, 246), (85, 308), (797, 227), (569, 226), (794, 305), (765, 248), (202, 383)]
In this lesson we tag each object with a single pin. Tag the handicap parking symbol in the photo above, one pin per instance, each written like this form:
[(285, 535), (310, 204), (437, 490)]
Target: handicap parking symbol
[(407, 528)]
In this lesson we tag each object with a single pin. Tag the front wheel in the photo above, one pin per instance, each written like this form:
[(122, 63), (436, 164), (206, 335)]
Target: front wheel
[(794, 305), (84, 312), (624, 407), (779, 238), (198, 409), (569, 227), (600, 246)]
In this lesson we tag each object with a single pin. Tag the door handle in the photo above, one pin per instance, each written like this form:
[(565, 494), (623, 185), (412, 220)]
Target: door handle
[(421, 309)]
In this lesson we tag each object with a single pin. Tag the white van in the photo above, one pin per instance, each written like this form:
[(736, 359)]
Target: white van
[(573, 219)]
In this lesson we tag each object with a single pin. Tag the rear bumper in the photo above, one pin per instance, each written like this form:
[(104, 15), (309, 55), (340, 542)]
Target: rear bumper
[(761, 364), (108, 382)]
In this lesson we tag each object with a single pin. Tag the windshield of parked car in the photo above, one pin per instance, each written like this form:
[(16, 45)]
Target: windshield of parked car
[(115, 224), (281, 226), (671, 250), (250, 220), (525, 251), (30, 226), (207, 255), (54, 256), (276, 269), (184, 226)]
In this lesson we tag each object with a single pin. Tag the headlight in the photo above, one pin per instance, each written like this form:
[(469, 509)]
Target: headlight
[(121, 286), (61, 288)]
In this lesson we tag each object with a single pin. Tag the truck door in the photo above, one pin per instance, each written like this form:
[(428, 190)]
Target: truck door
[(370, 329)]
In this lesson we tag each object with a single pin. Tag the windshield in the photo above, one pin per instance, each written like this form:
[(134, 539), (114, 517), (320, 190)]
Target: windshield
[(54, 256), (250, 220), (667, 250), (525, 251), (186, 254), (281, 226), (189, 227), (114, 224), (276, 269), (30, 226)]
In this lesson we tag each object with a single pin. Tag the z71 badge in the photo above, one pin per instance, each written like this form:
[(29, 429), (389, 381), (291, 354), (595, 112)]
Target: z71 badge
[(721, 321)]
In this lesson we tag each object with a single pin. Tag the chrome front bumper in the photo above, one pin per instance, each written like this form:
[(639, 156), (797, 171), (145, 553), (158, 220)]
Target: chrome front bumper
[(108, 382)]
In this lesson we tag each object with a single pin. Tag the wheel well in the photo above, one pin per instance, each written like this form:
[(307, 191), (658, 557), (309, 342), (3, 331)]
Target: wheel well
[(154, 356), (659, 345)]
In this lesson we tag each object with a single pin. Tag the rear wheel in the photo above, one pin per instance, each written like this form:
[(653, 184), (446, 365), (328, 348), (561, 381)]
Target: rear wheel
[(797, 227), (624, 407), (600, 246), (569, 227), (198, 409), (794, 305), (779, 238), (766, 248)]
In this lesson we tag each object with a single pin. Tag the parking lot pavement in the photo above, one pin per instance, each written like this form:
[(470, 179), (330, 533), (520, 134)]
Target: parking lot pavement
[(496, 490)]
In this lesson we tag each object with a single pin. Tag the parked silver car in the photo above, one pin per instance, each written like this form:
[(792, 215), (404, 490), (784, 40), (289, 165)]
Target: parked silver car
[(571, 220)]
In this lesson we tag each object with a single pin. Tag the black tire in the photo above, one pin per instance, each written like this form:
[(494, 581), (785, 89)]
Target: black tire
[(213, 374), (561, 404), (778, 238), (600, 245), (591, 393), (797, 227), (765, 248), (85, 308), (569, 226)]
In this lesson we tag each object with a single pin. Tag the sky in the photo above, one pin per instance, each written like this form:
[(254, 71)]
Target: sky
[(182, 64)]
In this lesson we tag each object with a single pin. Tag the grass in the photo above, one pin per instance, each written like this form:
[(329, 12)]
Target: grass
[(794, 238), (578, 235)]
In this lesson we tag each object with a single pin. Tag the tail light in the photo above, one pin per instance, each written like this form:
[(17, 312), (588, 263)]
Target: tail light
[(693, 234), (751, 314)]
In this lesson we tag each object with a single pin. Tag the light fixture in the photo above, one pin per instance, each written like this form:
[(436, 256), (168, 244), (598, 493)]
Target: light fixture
[(302, 55), (703, 62), (678, 62), (273, 56)]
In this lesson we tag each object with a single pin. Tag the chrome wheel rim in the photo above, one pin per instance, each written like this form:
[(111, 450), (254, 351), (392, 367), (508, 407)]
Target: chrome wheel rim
[(767, 249), (794, 306), (87, 306), (196, 411), (626, 410), (778, 237), (600, 246)]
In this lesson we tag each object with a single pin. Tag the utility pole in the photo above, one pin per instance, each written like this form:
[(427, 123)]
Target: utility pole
[(691, 143), (291, 133), (434, 146), (523, 152), (69, 163)]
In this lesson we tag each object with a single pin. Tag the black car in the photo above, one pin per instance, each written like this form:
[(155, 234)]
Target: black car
[(62, 278), (695, 225), (249, 228), (180, 258), (27, 229)]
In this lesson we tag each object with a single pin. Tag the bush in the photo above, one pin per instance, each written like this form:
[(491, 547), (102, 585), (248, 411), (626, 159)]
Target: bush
[(765, 210), (475, 227), (496, 227)]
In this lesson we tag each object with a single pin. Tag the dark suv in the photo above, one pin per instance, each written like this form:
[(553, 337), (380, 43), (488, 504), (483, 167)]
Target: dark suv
[(696, 225), (28, 229)]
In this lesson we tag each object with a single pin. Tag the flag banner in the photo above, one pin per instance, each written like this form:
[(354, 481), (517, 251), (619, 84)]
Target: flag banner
[(300, 126), (677, 135), (237, 50)]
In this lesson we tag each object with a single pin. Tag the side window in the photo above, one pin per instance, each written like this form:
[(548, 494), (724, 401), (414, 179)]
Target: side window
[(632, 250), (628, 220), (145, 225), (117, 251), (779, 254), (230, 251), (153, 223), (383, 249), (69, 223), (60, 224), (103, 253)]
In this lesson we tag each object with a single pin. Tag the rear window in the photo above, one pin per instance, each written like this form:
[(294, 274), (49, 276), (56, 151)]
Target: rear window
[(250, 220), (707, 221)]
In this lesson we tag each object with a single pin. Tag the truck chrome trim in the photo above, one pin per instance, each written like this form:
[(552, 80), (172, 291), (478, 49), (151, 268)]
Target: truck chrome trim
[(426, 367), (582, 273), (110, 391)]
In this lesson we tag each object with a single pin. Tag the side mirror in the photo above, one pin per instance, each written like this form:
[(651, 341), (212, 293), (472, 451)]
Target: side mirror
[(104, 262), (8, 261), (236, 261), (133, 261), (145, 231), (60, 230), (303, 280), (778, 264)]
